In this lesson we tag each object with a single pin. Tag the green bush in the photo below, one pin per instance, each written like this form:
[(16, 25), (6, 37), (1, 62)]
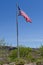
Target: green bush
[(1, 63), (19, 61), (33, 60), (38, 62)]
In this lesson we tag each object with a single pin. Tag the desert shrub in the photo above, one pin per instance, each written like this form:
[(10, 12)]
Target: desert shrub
[(19, 61), (38, 62), (1, 63)]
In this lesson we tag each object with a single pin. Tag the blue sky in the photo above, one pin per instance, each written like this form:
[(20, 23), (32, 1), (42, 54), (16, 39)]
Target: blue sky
[(30, 34)]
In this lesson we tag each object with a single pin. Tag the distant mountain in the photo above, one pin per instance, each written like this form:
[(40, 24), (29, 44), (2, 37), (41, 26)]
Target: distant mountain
[(7, 47)]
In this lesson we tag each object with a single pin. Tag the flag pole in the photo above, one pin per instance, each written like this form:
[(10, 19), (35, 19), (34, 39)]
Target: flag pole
[(17, 29)]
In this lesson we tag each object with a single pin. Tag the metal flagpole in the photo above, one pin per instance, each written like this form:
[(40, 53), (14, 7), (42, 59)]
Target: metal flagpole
[(17, 30)]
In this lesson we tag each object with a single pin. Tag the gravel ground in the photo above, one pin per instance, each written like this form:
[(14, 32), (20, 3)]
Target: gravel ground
[(24, 64)]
